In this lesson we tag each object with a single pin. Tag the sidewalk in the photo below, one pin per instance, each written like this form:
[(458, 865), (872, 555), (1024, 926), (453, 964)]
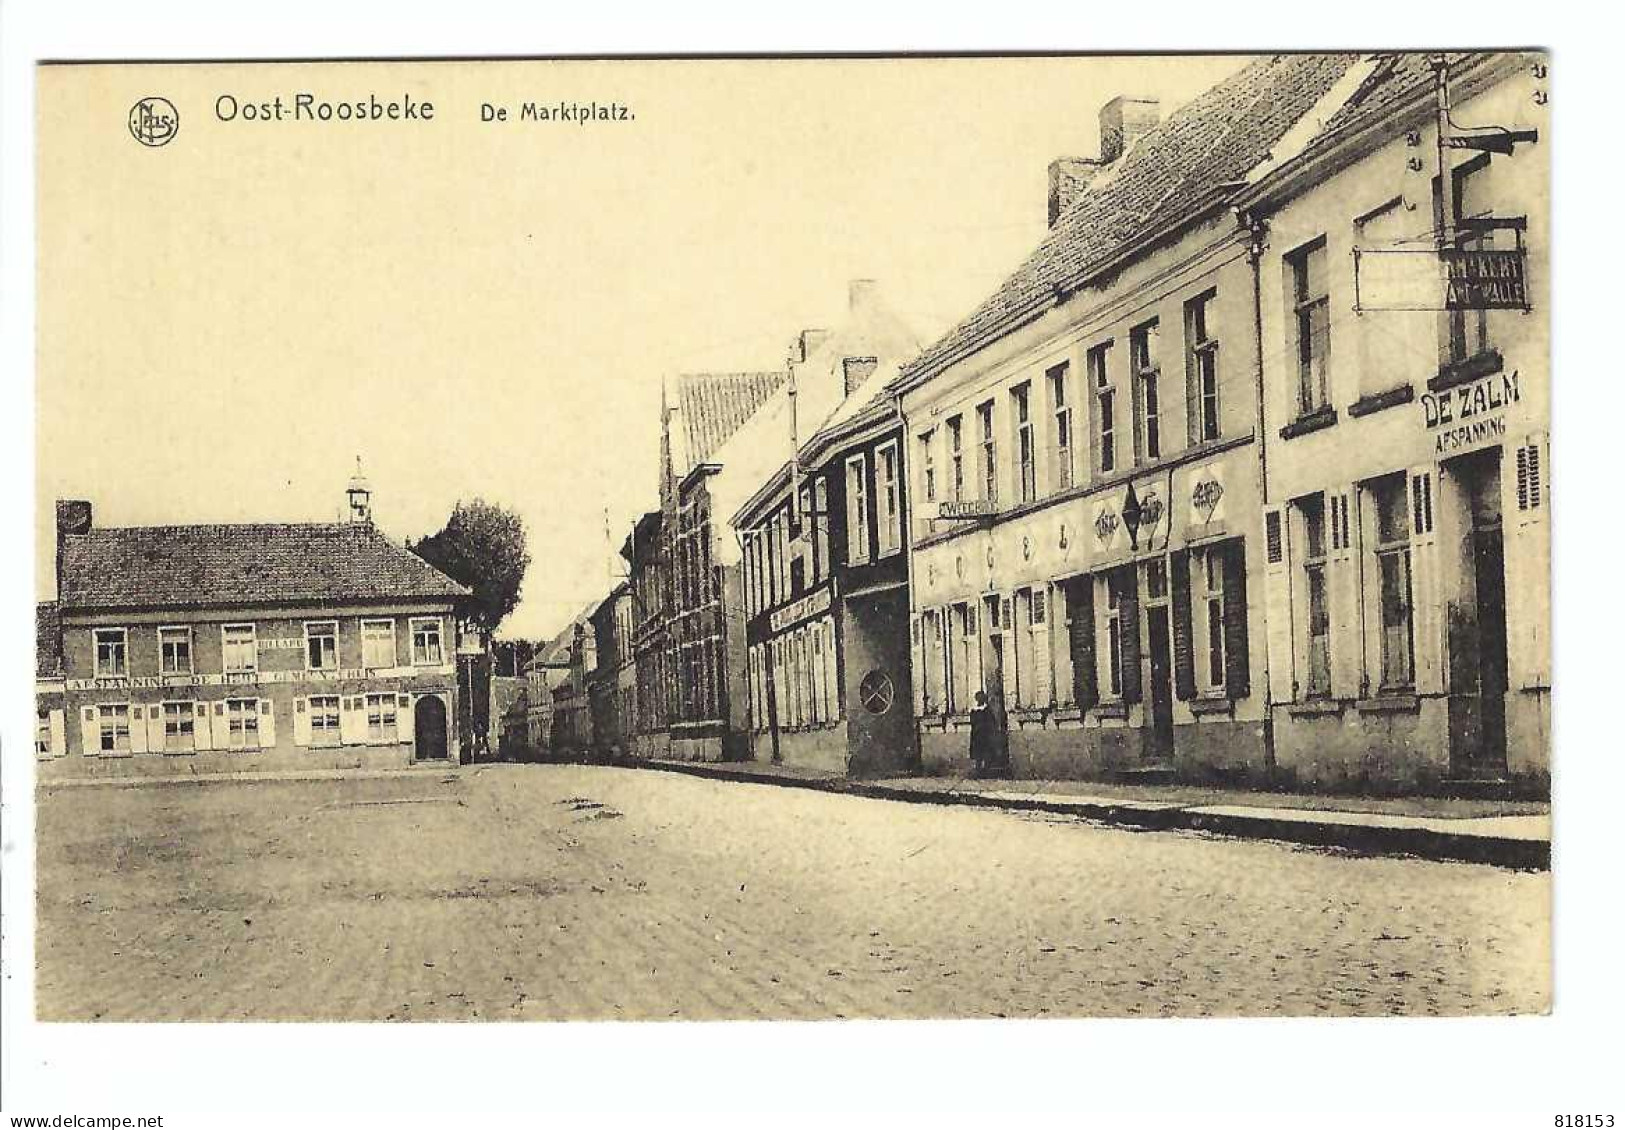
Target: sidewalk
[(1514, 834)]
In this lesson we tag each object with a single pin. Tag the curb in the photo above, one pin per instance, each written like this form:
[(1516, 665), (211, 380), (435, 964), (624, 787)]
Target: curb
[(1360, 839)]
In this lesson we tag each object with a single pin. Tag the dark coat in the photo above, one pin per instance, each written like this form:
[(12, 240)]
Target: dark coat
[(986, 741)]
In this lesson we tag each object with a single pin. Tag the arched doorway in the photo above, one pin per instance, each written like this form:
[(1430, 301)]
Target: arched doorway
[(429, 728)]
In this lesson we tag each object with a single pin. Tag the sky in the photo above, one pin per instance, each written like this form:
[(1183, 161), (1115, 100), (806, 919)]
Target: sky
[(488, 308)]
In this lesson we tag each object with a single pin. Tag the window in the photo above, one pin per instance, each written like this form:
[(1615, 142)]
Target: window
[(807, 550), (928, 467), (1393, 553), (426, 651), (969, 655), (1062, 410), (324, 720), (242, 723), (1202, 369), (820, 520), (322, 645), (114, 724), (1213, 606), (956, 458), (1319, 681), (1026, 464), (1105, 408), (1469, 330), (1114, 641), (990, 453), (381, 726), (934, 696), (178, 720), (42, 733), (237, 647), (1142, 346), (1312, 323), (887, 494), (112, 653), (377, 643), (175, 651), (857, 510)]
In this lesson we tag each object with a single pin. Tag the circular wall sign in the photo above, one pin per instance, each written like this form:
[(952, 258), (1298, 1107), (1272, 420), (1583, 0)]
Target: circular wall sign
[(876, 692)]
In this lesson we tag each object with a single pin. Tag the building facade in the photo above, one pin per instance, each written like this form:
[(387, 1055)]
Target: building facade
[(612, 685), (649, 577), (1406, 407), (252, 648), (1084, 463)]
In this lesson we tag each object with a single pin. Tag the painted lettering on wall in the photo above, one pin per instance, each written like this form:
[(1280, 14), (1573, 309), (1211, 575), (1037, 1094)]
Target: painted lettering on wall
[(1470, 414)]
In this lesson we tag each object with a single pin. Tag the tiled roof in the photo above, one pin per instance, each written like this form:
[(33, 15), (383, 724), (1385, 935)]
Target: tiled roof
[(47, 640), (712, 406), (204, 566), (1164, 178)]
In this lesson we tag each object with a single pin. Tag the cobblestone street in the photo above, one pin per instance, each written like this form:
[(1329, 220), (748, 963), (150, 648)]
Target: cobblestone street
[(560, 892)]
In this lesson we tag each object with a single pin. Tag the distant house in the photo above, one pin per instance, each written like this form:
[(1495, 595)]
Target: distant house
[(243, 648)]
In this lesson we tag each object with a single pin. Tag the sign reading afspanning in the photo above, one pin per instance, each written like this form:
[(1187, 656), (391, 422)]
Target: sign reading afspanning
[(256, 678), (810, 605), (1470, 414)]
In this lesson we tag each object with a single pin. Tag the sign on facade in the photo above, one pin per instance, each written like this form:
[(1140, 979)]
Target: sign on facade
[(1470, 414)]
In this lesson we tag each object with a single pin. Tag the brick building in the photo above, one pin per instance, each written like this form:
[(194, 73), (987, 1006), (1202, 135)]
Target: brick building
[(233, 648)]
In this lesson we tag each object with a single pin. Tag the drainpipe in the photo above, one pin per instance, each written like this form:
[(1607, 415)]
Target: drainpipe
[(1256, 242), (904, 462)]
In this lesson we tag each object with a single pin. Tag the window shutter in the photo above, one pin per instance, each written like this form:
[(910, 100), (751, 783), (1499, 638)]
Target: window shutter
[(352, 720), (1127, 580), (200, 726), (1427, 619), (1061, 614), (138, 727), (1080, 603), (403, 718), (1278, 630), (1347, 631), (59, 733), (1043, 688), (301, 722), (1528, 569), (267, 724), (1238, 668), (156, 742), (1184, 659), (917, 666), (222, 726), (90, 732)]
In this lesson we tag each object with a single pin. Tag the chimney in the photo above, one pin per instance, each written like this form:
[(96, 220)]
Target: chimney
[(860, 295), (73, 516), (808, 341), (1122, 121), (1069, 178), (857, 370)]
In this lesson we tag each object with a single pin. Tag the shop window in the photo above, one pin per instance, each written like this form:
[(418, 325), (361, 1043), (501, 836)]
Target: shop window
[(1061, 434), (178, 721), (1212, 603), (1318, 676), (239, 649), (113, 722), (112, 653), (322, 645), (426, 650), (1114, 642), (1202, 369), (175, 651), (1147, 373), (324, 720), (377, 643), (1393, 559), (381, 719), (1026, 457), (243, 723), (1311, 311), (1105, 434)]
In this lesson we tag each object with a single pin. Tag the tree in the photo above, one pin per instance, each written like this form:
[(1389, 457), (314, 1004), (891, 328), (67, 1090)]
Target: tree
[(483, 546)]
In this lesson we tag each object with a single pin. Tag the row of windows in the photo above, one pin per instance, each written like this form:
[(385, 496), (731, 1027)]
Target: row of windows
[(240, 646), (1049, 443), (235, 723), (794, 679)]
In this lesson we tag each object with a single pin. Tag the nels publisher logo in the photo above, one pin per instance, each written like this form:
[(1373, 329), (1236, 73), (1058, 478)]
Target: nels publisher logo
[(154, 121)]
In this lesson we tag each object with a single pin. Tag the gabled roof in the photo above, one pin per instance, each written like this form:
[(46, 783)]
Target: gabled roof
[(1170, 176), (711, 407), (218, 565), (47, 640)]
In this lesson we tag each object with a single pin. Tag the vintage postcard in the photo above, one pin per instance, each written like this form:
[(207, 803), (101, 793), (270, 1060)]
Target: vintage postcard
[(798, 538)]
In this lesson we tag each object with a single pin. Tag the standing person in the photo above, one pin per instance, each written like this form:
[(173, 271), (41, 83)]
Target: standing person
[(984, 736)]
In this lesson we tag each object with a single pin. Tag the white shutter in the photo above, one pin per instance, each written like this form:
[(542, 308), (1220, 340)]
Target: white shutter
[(155, 728), (1041, 693), (59, 734), (1527, 549), (1060, 634), (301, 722), (138, 727), (1278, 631), (200, 726), (1427, 603), (90, 732), (1343, 593), (221, 728), (917, 660), (403, 718), (267, 723), (352, 720)]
